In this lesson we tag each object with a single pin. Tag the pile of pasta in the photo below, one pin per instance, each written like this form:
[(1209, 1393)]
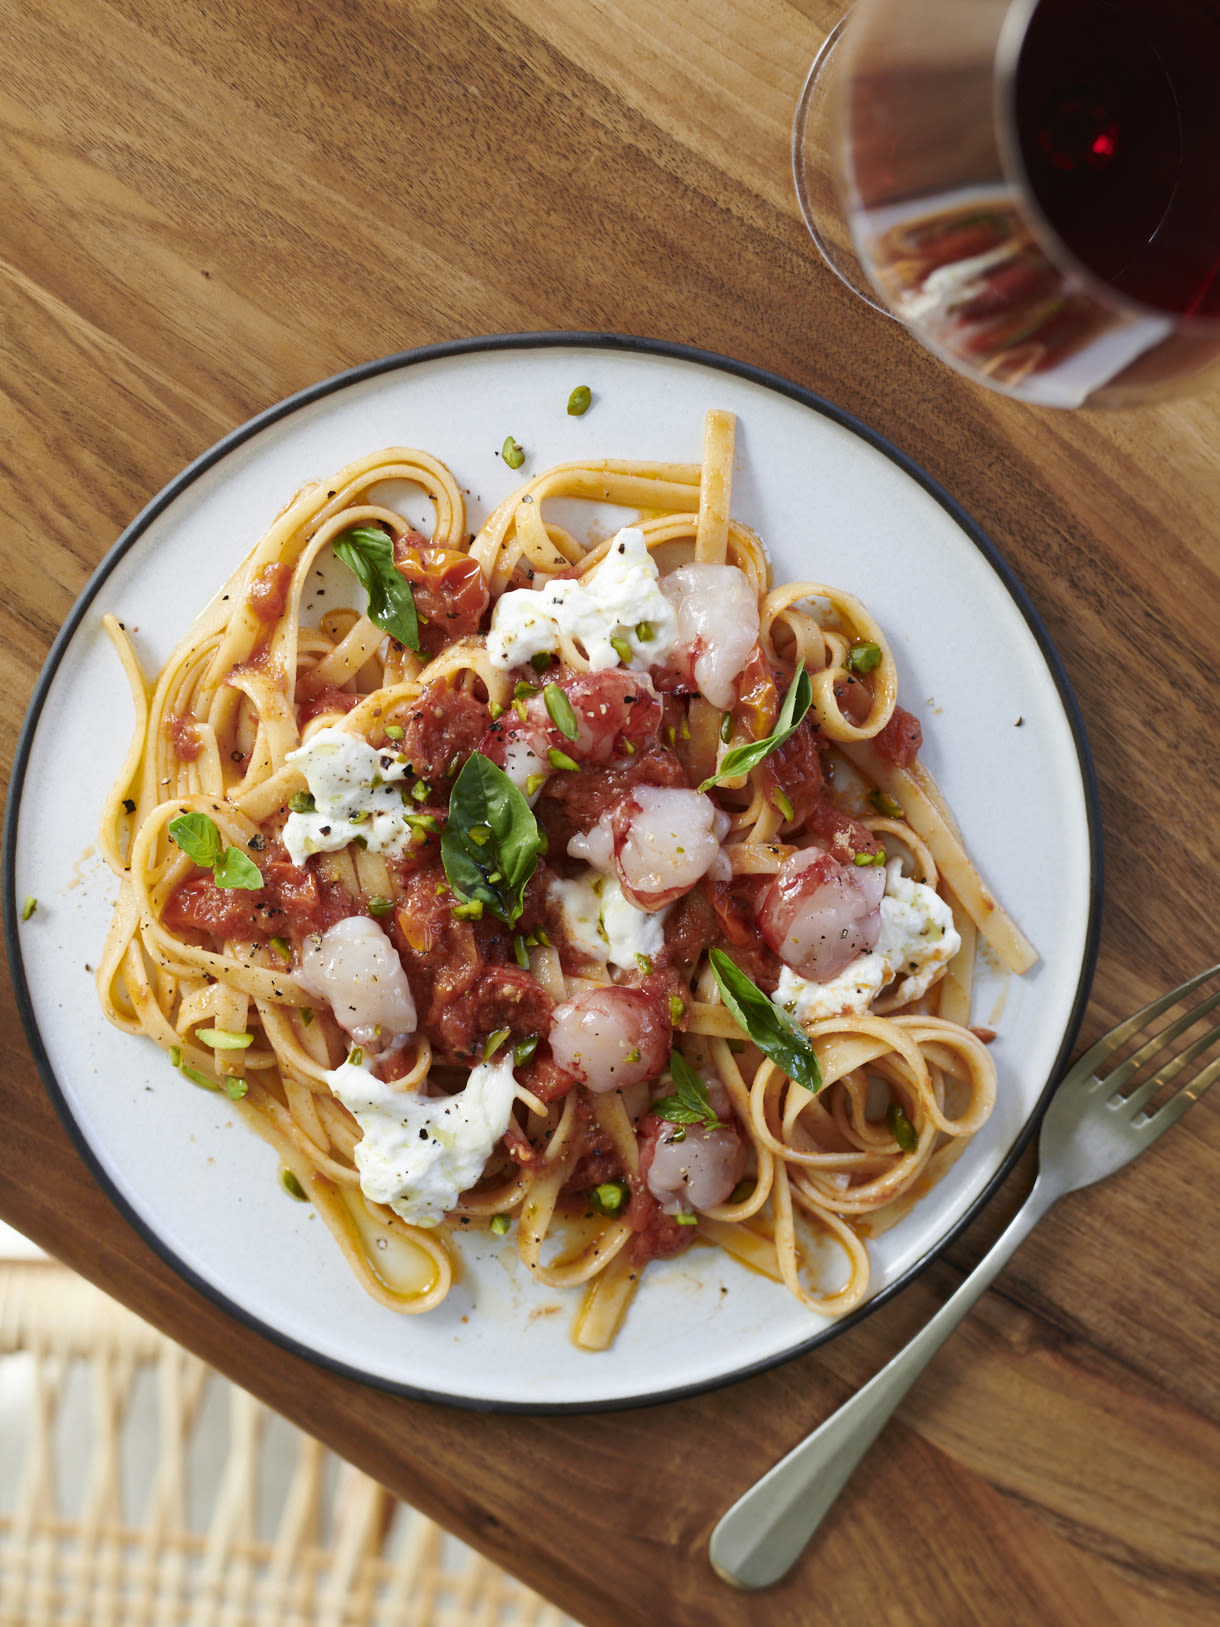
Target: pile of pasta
[(213, 734)]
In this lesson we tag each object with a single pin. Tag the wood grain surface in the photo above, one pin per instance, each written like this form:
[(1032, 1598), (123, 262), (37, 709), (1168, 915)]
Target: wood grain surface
[(207, 206)]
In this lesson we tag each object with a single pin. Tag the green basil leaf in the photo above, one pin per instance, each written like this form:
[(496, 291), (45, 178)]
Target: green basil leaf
[(198, 838), (368, 552), (741, 759), (690, 1103), (235, 869), (494, 869), (776, 1034)]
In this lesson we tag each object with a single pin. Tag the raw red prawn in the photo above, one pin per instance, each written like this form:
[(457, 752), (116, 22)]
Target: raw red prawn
[(615, 713), (611, 1038), (818, 915), (717, 610)]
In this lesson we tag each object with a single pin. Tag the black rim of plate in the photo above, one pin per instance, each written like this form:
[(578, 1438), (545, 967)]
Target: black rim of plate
[(558, 339)]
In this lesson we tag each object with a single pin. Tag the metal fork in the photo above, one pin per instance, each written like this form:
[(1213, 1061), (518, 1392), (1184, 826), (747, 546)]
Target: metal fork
[(1090, 1130)]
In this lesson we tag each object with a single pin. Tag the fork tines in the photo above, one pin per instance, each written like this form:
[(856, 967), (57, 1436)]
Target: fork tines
[(1159, 1088)]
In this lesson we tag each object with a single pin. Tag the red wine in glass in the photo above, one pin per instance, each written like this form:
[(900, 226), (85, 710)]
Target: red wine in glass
[(1032, 187), (1118, 121)]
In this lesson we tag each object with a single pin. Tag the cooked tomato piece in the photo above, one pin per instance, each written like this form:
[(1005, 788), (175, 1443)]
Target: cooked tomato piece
[(900, 740), (757, 696), (449, 589), (795, 769), (199, 905), (442, 729)]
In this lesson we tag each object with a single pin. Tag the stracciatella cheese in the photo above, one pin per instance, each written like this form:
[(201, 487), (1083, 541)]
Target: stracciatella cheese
[(418, 1152), (356, 793), (604, 924), (619, 599)]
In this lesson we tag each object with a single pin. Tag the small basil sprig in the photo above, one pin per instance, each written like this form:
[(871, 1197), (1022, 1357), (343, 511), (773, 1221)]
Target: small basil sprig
[(776, 1034), (200, 840), (690, 1103), (491, 841), (741, 759), (369, 553)]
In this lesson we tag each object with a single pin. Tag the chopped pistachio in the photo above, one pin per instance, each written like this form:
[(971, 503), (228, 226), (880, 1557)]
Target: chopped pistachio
[(292, 1185), (224, 1039), (863, 656), (561, 712), (885, 804), (494, 1042), (609, 1197), (783, 802), (900, 1127)]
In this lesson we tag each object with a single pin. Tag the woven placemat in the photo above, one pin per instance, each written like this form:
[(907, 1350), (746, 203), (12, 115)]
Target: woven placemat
[(139, 1488)]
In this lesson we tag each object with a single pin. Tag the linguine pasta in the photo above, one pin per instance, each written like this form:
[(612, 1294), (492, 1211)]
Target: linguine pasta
[(591, 892)]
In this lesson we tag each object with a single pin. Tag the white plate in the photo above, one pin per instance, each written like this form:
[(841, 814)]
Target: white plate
[(832, 502)]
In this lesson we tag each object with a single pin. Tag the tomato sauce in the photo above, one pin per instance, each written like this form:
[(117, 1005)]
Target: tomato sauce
[(183, 737), (267, 594), (291, 904)]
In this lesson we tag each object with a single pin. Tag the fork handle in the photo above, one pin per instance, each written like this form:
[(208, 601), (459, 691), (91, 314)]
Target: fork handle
[(760, 1538)]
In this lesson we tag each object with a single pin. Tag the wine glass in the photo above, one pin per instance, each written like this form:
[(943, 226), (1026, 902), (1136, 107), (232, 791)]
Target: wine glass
[(1029, 186)]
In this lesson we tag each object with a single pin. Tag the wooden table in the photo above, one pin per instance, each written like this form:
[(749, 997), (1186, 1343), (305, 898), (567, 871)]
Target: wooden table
[(208, 206)]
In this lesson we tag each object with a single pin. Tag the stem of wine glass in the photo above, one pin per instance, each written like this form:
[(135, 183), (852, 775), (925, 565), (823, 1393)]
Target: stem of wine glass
[(813, 172)]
